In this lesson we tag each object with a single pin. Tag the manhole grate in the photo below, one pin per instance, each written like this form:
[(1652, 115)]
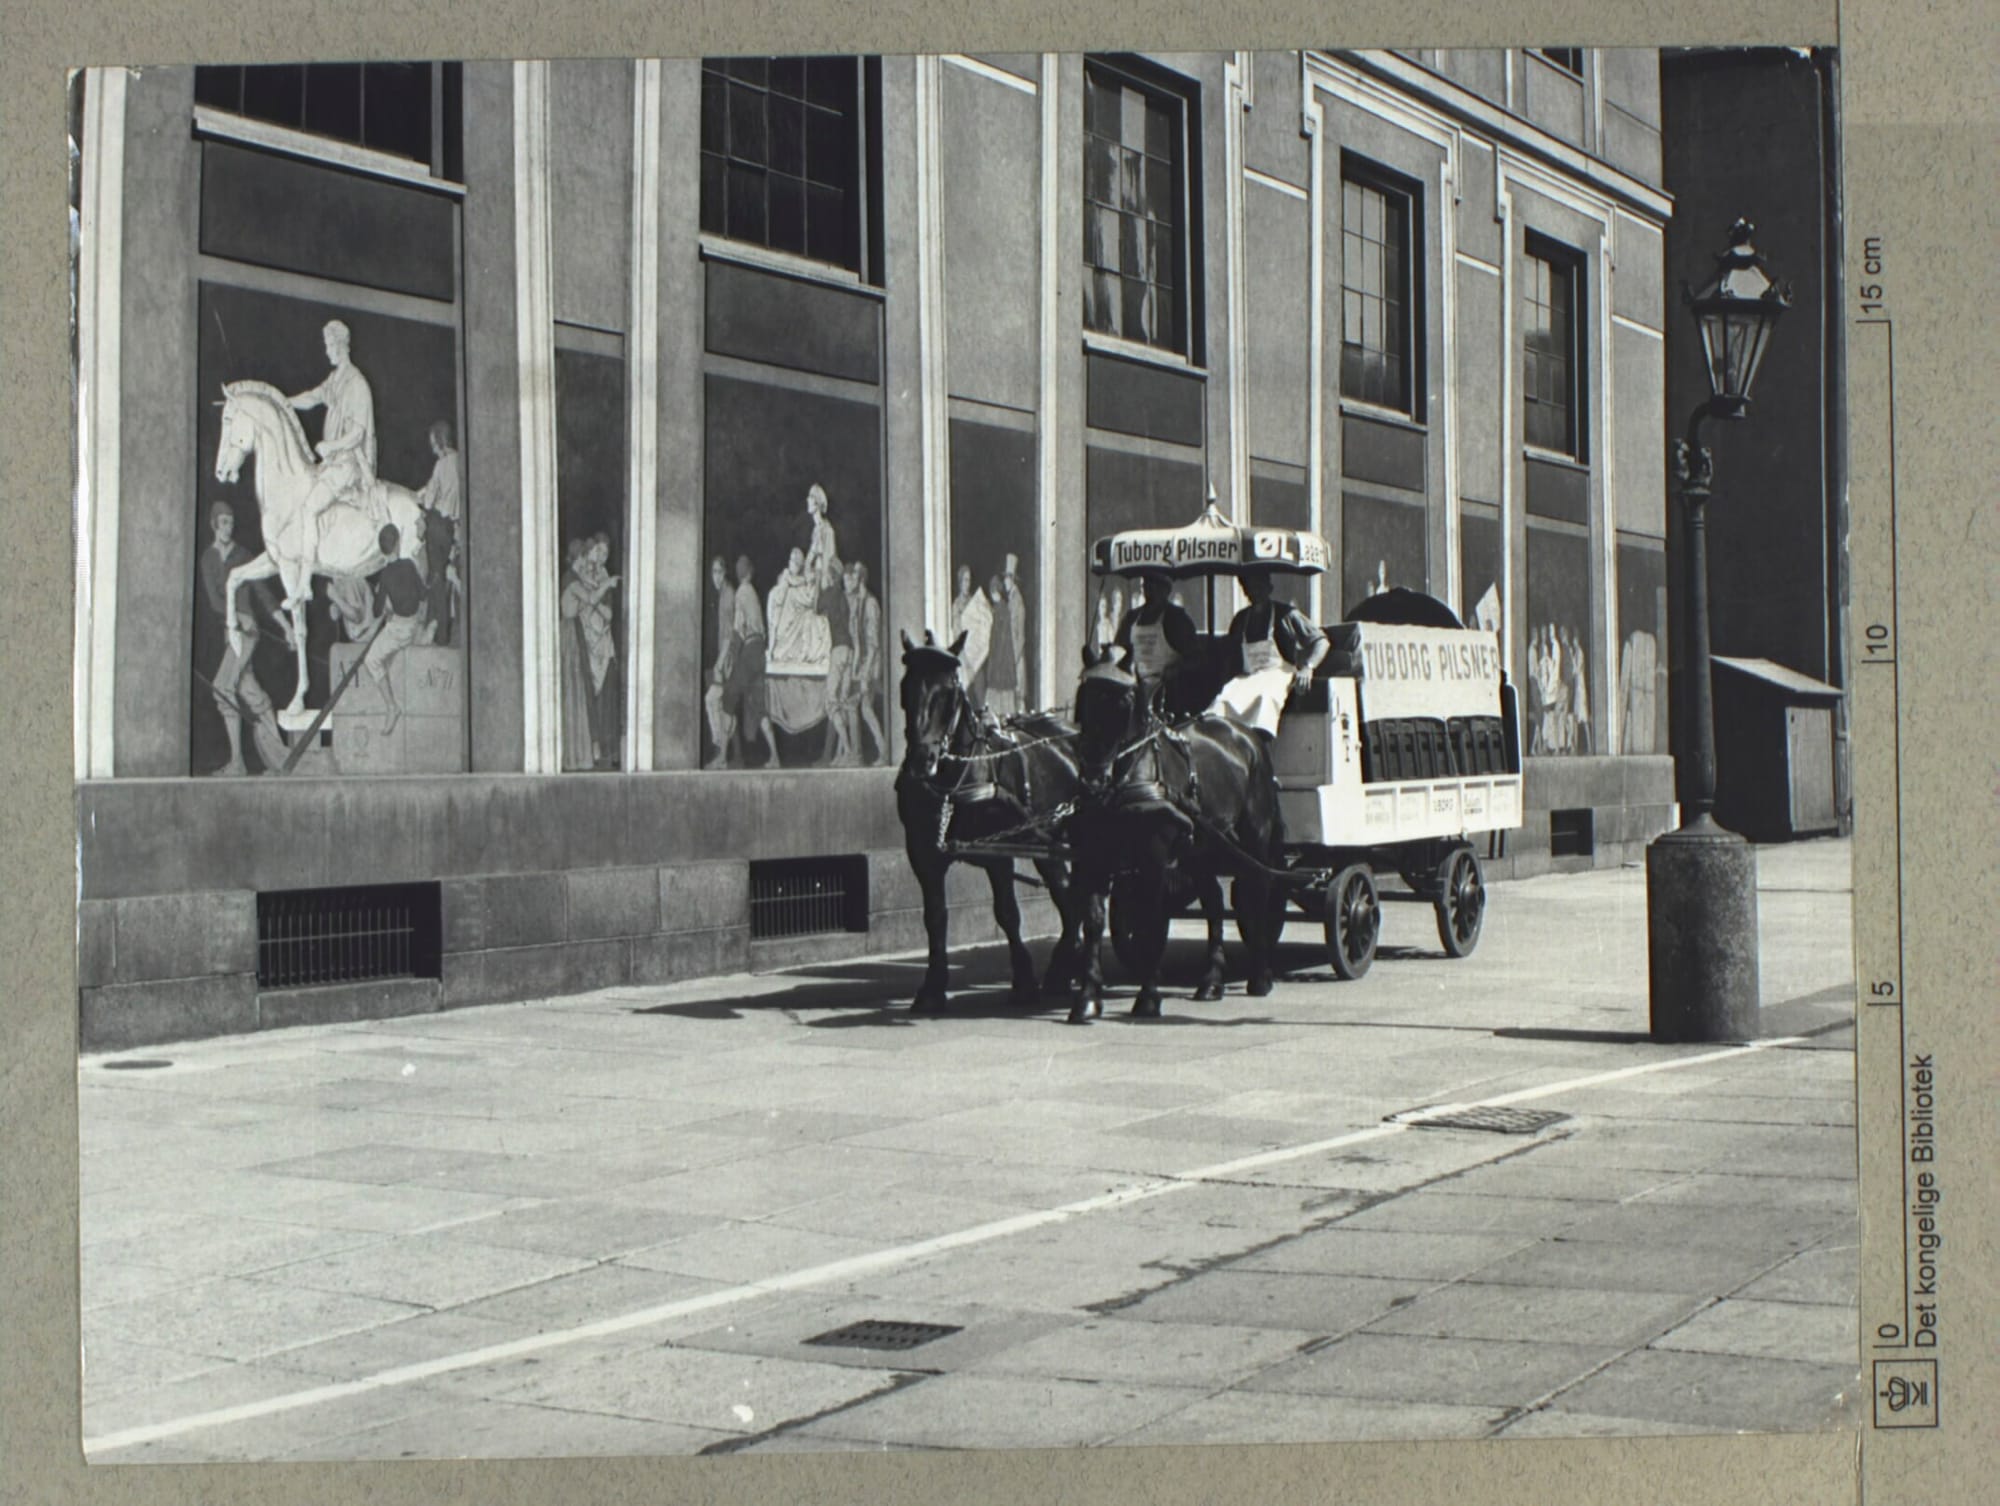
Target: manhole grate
[(882, 1333), (1498, 1121), (135, 1064)]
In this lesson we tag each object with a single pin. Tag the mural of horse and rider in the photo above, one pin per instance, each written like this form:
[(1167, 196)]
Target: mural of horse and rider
[(328, 427)]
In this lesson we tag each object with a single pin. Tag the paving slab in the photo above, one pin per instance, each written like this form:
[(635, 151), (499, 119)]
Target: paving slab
[(1665, 1268), (1442, 1207), (1266, 1417), (1148, 1353), (1410, 1255), (1829, 1273), (585, 1296), (1319, 1305), (1822, 1334), (588, 1228), (236, 1319), (985, 1411), (422, 1270), (1536, 1314), (1721, 1393), (1399, 1367)]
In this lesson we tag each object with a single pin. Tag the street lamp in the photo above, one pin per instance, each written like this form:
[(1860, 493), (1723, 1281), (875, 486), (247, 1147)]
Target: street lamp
[(1701, 881)]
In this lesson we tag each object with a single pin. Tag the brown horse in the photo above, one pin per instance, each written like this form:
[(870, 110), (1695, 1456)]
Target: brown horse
[(967, 778), (1166, 804)]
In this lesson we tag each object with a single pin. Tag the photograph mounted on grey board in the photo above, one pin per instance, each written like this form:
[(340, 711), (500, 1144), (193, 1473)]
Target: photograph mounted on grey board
[(685, 601)]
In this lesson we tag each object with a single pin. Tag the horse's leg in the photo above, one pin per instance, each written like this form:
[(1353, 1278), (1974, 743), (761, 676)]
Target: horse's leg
[(1090, 998), (1153, 950), (1210, 987), (929, 867), (1007, 911), (1254, 890), (1062, 972)]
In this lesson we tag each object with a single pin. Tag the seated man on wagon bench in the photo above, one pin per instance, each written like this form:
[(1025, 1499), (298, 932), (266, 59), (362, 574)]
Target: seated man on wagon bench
[(1273, 649)]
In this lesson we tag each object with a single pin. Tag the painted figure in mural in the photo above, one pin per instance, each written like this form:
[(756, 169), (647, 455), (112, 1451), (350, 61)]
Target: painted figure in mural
[(1017, 621), (235, 683), (1555, 675), (831, 605), (1273, 650), (1110, 612), (342, 545), (1486, 611), (1638, 665), (1579, 695), (601, 639), (443, 501), (820, 543), (588, 648), (972, 615), (721, 725), (800, 637), (745, 696), (398, 620), (347, 439), (1002, 664), (865, 616)]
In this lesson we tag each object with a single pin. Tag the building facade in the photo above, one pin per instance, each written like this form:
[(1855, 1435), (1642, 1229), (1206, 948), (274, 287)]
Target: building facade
[(694, 383)]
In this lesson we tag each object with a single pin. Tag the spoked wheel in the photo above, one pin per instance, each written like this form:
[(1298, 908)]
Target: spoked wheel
[(1137, 932), (1353, 921), (1460, 902), (1275, 914)]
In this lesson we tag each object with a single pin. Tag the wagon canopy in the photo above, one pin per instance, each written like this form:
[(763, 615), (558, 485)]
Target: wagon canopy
[(1210, 545)]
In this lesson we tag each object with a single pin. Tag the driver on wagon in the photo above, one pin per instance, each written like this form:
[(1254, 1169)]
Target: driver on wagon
[(1274, 650), (1156, 633)]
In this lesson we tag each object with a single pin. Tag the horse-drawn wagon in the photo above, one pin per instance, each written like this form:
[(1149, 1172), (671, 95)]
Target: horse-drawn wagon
[(1401, 755)]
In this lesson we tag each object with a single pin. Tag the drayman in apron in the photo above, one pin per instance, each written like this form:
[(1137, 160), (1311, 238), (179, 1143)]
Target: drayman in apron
[(1276, 649), (1157, 633)]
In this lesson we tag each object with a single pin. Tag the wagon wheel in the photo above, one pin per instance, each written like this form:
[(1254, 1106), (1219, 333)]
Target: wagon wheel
[(1276, 915), (1136, 933), (1353, 921), (1460, 902)]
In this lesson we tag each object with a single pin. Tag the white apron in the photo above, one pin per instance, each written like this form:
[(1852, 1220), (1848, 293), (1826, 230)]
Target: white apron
[(1257, 696), (1151, 653)]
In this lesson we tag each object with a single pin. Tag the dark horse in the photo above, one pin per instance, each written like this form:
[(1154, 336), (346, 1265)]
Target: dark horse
[(968, 778), (1165, 803)]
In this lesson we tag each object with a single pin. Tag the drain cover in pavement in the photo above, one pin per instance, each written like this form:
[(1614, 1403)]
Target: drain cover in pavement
[(135, 1064), (882, 1333), (1496, 1121)]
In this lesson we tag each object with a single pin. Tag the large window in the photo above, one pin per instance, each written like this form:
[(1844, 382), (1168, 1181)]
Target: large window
[(785, 156), (407, 110), (1378, 303), (1136, 234), (1569, 59), (1552, 355)]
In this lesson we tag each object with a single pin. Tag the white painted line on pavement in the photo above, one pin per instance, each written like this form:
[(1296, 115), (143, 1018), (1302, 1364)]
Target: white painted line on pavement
[(857, 1265)]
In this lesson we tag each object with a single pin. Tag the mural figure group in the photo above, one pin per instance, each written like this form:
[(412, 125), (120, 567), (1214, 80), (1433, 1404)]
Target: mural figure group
[(807, 654), (994, 619), (592, 695), (1558, 693), (389, 556)]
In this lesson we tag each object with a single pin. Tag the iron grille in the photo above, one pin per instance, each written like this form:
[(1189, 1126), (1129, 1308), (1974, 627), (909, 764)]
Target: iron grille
[(1497, 1120), (808, 897), (883, 1333), (309, 937), (1573, 833)]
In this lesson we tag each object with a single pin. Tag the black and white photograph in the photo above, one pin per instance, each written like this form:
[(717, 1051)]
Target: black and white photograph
[(786, 754)]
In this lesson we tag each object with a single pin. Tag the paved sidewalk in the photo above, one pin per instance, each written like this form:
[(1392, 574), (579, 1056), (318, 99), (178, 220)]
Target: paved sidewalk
[(611, 1224)]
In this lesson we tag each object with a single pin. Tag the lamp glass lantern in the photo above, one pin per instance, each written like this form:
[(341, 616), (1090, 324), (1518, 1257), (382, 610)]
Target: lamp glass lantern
[(1736, 313)]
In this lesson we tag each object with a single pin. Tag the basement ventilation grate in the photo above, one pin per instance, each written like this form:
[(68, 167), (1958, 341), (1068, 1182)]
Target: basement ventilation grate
[(883, 1333), (1496, 1121)]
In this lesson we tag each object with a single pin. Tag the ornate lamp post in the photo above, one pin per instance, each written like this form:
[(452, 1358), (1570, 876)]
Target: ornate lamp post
[(1701, 881)]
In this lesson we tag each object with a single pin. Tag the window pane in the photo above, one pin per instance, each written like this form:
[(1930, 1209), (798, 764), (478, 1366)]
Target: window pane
[(1131, 183), (714, 112), (1139, 310), (788, 77), (829, 148), (830, 82), (275, 93), (1100, 105), (1100, 171), (219, 88), (1132, 119), (713, 215), (333, 100), (746, 218), (828, 226), (747, 138), (750, 70), (788, 213), (1160, 132), (1162, 188), (1104, 230), (396, 108), (788, 136)]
